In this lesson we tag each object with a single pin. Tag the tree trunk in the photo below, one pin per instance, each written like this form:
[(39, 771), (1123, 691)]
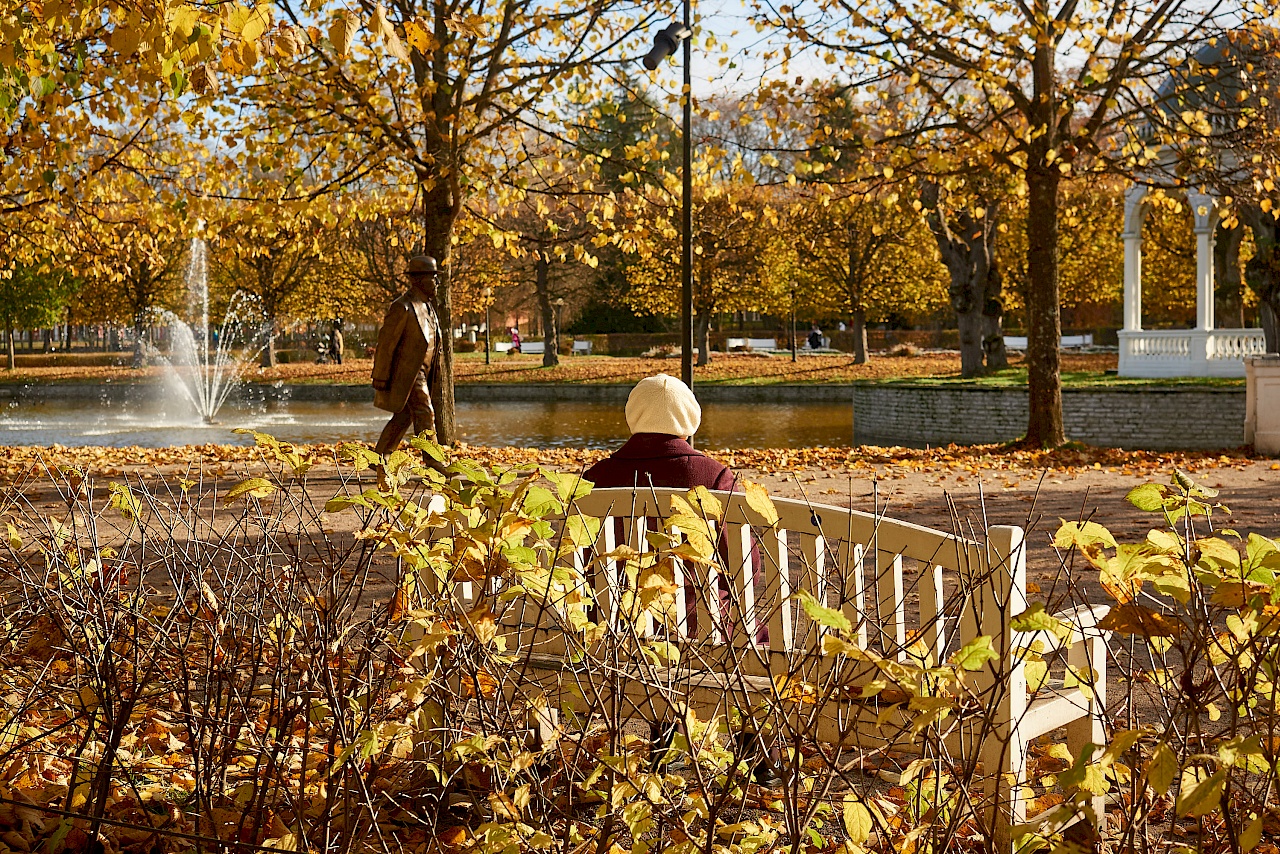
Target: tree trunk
[(439, 212), (1044, 326), (1227, 275), (8, 325), (970, 322), (1270, 327), (853, 292), (550, 327), (1262, 273), (269, 349), (859, 329), (702, 337), (138, 359), (1044, 318), (993, 321), (967, 245)]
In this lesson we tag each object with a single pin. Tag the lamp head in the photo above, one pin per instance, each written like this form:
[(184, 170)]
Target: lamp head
[(665, 44)]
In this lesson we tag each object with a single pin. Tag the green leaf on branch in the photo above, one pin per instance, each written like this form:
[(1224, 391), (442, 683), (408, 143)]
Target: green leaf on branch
[(758, 500), (1083, 534), (1149, 497), (1036, 619), (1200, 794), (700, 498), (123, 499), (428, 447), (1161, 769), (254, 487), (832, 618), (857, 820), (1084, 774), (569, 486), (974, 654), (1184, 482)]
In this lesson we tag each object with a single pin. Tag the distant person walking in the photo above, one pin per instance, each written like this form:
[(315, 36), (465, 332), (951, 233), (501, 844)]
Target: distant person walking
[(336, 343), (515, 340), (815, 338)]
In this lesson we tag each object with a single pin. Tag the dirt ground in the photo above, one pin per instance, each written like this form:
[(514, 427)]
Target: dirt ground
[(960, 489), (939, 488)]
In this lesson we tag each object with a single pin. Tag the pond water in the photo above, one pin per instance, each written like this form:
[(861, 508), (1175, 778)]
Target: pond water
[(522, 424)]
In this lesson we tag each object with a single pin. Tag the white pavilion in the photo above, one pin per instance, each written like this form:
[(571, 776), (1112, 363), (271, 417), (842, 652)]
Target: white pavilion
[(1204, 351), (1212, 83)]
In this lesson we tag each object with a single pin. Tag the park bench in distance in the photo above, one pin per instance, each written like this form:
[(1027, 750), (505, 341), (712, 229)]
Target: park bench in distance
[(1019, 342), (752, 344), (896, 583)]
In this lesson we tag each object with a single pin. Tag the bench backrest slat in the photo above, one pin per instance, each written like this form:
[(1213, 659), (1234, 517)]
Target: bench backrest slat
[(832, 553), (890, 604), (813, 565)]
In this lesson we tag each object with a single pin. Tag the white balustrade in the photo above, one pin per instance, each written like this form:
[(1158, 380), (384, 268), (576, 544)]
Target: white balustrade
[(1237, 344), (1159, 344), (1187, 352)]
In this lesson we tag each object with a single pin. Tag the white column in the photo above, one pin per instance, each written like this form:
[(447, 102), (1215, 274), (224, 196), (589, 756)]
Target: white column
[(1134, 214), (1132, 281), (1204, 208)]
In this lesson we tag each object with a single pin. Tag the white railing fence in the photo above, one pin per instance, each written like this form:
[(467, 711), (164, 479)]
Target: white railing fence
[(1188, 352)]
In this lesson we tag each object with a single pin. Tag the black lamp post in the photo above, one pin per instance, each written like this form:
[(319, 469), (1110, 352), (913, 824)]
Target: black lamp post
[(487, 293), (559, 304), (793, 323), (664, 45)]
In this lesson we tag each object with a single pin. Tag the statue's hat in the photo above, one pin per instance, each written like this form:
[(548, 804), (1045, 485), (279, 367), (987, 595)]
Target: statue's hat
[(423, 264)]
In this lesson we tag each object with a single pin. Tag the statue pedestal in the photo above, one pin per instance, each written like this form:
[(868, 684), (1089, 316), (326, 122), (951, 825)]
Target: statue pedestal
[(1262, 404)]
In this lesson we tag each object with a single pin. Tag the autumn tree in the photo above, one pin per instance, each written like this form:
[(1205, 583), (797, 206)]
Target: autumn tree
[(851, 162), (741, 259), (1222, 114), (33, 296), (432, 92), (867, 257), (379, 232), (130, 237), (1038, 90), (271, 251)]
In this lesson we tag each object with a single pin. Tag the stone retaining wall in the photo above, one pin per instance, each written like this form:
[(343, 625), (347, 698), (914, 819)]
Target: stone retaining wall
[(1140, 418)]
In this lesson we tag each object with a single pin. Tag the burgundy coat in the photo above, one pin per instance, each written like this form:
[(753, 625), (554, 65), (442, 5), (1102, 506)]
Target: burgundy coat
[(660, 460), (663, 460)]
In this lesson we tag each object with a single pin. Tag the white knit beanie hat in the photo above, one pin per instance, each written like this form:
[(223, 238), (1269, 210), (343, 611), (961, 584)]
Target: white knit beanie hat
[(663, 404)]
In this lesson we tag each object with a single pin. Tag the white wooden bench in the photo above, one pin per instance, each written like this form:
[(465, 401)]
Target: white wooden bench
[(533, 348), (905, 590), (752, 343), (581, 348), (1019, 342), (502, 347)]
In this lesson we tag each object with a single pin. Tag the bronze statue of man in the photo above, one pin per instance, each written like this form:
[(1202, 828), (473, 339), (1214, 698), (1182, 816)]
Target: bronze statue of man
[(406, 365)]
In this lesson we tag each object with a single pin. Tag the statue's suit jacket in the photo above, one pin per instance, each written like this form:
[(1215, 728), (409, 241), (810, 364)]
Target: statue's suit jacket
[(408, 340)]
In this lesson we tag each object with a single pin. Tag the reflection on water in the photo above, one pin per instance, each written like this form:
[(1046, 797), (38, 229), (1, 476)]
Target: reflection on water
[(523, 424)]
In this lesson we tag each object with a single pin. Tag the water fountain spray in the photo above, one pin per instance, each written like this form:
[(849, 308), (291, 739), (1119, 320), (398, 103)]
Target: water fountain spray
[(206, 374)]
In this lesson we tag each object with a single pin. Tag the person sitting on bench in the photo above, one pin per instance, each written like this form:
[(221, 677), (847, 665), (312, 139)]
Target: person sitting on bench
[(663, 414)]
